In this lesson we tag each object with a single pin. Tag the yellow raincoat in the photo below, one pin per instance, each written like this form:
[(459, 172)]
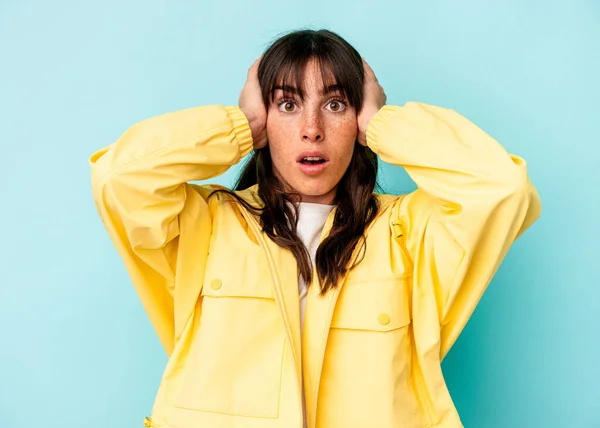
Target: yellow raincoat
[(224, 299)]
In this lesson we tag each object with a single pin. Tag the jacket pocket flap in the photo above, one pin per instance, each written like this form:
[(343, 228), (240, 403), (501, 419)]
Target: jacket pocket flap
[(240, 277), (373, 306)]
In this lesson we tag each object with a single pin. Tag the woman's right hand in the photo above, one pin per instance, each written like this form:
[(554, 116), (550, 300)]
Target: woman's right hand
[(373, 99), (252, 105)]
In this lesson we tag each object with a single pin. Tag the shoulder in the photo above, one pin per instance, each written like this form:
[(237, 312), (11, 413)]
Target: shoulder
[(387, 201), (220, 198)]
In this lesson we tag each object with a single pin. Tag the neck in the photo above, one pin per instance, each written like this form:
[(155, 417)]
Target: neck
[(326, 199)]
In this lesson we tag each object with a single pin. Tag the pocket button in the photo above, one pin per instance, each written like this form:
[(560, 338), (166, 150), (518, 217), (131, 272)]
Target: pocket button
[(383, 319), (216, 284)]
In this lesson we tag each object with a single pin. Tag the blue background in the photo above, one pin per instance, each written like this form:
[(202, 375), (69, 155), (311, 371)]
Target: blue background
[(76, 348)]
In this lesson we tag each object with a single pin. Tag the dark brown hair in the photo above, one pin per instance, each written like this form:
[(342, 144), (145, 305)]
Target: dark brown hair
[(284, 63)]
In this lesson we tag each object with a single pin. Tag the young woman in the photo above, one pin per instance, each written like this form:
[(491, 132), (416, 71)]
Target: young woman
[(302, 297)]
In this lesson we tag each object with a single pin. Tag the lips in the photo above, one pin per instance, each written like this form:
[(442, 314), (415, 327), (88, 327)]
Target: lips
[(312, 157), (312, 163), (312, 160)]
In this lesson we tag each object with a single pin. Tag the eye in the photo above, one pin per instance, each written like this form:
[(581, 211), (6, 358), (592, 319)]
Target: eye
[(336, 105), (286, 105)]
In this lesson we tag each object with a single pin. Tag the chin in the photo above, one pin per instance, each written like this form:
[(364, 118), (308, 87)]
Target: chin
[(317, 193)]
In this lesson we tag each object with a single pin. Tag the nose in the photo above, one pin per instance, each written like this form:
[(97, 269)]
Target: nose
[(312, 129)]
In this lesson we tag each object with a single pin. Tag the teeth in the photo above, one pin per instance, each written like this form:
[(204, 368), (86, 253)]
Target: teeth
[(312, 158)]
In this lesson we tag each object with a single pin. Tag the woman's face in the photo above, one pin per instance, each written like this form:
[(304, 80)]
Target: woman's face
[(311, 141)]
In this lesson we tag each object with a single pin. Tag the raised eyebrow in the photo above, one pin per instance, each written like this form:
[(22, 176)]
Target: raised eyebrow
[(288, 89), (294, 90), (331, 89)]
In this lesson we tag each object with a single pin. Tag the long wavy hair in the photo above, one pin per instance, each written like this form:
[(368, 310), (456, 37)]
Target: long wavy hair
[(284, 63)]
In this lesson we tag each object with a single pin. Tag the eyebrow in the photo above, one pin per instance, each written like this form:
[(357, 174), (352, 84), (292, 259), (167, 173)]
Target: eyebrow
[(294, 90), (332, 88)]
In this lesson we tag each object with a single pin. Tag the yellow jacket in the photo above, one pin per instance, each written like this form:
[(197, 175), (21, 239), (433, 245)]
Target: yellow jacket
[(224, 299)]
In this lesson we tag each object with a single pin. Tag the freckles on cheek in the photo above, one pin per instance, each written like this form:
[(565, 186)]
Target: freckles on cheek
[(346, 128), (279, 132)]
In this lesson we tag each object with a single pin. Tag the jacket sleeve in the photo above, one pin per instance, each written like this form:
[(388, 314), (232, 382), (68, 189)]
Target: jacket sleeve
[(140, 189), (473, 200)]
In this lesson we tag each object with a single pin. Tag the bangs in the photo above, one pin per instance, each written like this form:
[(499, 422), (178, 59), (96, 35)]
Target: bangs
[(284, 64)]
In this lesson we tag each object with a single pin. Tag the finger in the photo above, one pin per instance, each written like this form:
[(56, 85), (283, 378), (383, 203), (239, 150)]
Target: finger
[(369, 73), (368, 70), (254, 67)]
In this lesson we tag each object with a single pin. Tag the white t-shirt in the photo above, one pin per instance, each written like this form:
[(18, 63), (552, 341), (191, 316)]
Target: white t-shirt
[(311, 219)]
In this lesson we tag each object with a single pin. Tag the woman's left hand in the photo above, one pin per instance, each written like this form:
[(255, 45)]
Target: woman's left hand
[(373, 99)]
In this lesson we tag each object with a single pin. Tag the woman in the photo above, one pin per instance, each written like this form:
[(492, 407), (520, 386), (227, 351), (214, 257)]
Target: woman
[(302, 297)]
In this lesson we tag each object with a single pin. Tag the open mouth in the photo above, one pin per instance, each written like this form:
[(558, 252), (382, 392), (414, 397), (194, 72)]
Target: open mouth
[(312, 160)]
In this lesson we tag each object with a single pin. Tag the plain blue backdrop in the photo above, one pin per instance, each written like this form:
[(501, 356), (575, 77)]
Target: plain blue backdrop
[(76, 347)]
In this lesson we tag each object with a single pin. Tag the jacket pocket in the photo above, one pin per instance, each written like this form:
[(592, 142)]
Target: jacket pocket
[(379, 305), (367, 361), (235, 360)]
